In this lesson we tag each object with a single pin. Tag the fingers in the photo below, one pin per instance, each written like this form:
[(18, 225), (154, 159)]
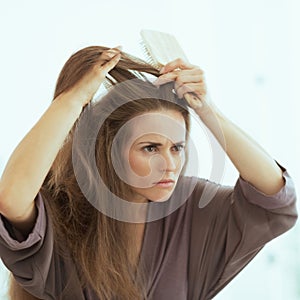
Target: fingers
[(106, 67), (188, 80), (182, 76), (91, 82), (109, 58), (191, 80), (176, 64), (198, 90), (110, 53)]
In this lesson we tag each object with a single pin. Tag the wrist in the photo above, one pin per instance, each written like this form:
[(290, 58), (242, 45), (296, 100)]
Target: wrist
[(215, 122), (69, 102), (210, 115)]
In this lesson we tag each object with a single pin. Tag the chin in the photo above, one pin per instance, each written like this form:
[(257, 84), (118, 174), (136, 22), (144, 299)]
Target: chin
[(161, 198), (154, 195)]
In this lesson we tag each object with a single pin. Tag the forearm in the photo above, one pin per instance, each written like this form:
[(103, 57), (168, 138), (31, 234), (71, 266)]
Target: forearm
[(252, 162), (249, 158), (31, 160)]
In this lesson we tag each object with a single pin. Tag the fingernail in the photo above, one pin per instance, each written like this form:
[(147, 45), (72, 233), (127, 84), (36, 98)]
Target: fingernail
[(162, 70), (119, 47)]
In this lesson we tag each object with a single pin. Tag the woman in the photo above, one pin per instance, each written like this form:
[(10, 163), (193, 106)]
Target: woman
[(67, 234)]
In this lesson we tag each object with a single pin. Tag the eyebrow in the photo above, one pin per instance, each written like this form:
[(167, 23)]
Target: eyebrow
[(159, 144)]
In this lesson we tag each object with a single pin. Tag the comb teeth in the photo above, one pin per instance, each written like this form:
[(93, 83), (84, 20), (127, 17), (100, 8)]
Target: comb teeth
[(160, 48), (149, 58)]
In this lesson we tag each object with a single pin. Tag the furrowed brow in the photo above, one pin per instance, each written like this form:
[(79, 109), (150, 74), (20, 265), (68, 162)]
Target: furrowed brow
[(150, 143)]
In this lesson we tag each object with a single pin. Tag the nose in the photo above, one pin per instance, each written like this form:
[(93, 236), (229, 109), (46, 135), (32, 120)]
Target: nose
[(170, 162)]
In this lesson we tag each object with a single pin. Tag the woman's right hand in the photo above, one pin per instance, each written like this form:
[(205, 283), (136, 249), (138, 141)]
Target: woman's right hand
[(84, 90), (31, 161)]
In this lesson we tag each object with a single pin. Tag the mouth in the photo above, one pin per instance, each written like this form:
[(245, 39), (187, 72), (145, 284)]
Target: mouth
[(165, 183)]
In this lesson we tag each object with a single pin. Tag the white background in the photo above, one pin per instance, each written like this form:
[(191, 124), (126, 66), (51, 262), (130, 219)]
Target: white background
[(249, 50)]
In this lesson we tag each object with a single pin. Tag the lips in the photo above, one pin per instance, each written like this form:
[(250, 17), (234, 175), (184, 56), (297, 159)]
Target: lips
[(166, 181)]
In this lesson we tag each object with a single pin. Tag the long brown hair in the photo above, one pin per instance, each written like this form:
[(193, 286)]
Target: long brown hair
[(99, 245)]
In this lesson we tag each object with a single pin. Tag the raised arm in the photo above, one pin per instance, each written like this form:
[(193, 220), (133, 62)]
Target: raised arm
[(31, 160), (250, 159), (252, 162)]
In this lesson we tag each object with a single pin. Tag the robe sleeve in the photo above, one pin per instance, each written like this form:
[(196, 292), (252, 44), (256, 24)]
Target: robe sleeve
[(33, 261), (231, 229), (28, 257)]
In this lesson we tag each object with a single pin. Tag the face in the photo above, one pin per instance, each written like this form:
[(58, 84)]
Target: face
[(156, 155)]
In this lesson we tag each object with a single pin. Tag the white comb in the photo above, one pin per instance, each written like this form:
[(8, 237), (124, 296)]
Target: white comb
[(160, 47)]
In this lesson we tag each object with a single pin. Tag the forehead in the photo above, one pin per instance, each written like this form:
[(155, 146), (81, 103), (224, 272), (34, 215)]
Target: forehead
[(167, 124)]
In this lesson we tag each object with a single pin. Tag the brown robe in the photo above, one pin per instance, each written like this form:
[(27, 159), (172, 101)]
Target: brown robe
[(192, 253)]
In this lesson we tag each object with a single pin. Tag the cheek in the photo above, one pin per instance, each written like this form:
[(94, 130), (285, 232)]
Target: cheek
[(139, 164)]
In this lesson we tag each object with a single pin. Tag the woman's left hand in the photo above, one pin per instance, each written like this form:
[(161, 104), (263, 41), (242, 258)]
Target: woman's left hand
[(189, 82)]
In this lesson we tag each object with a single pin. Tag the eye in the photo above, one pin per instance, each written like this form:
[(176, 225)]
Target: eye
[(178, 147), (150, 148)]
